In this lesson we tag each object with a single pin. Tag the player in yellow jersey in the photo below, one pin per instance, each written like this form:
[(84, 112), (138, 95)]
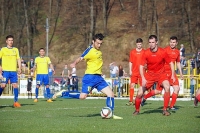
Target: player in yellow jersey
[(10, 58), (42, 64), (92, 78)]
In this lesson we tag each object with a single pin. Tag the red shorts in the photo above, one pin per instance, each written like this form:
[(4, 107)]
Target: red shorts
[(155, 78), (170, 80), (136, 79)]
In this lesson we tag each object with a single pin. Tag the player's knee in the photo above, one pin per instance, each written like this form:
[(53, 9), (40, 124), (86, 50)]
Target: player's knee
[(37, 86), (15, 86), (83, 96), (47, 86)]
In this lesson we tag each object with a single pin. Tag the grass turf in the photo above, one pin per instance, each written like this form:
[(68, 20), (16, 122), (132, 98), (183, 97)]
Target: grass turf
[(83, 116)]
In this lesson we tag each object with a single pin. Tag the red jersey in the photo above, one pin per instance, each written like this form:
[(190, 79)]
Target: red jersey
[(155, 60), (135, 59), (174, 55)]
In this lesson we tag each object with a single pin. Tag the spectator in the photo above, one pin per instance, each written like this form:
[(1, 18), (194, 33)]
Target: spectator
[(65, 72), (182, 50), (192, 65), (23, 65), (29, 86), (183, 63), (75, 78), (113, 70), (198, 62), (122, 73), (192, 84), (71, 83), (32, 63)]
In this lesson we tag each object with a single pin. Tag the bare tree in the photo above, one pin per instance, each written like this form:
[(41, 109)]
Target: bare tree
[(156, 20), (27, 29), (121, 4), (140, 13), (2, 18), (197, 20), (190, 31), (91, 20)]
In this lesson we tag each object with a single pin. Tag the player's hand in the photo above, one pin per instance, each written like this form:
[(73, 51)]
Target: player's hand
[(181, 76), (19, 71), (144, 81), (54, 72), (72, 65), (173, 78), (1, 77), (130, 73)]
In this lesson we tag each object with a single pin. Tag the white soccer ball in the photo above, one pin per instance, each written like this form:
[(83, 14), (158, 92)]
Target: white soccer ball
[(106, 112)]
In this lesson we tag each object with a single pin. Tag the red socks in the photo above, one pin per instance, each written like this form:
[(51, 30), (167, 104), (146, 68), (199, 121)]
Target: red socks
[(150, 94), (198, 97), (174, 97), (137, 103), (131, 94), (166, 100)]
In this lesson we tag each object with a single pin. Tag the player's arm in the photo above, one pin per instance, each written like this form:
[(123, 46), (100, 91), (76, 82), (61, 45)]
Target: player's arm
[(68, 73), (19, 65), (52, 68), (79, 59), (141, 68), (130, 68), (178, 64), (62, 73)]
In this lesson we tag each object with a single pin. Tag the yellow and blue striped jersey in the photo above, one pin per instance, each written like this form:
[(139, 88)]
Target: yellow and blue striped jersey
[(9, 58), (42, 64), (94, 60)]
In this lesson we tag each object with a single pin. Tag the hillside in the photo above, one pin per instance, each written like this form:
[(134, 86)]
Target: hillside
[(127, 21)]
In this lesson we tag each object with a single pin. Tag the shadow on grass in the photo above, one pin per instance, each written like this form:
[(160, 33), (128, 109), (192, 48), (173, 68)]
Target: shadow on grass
[(88, 115), (11, 106), (197, 116)]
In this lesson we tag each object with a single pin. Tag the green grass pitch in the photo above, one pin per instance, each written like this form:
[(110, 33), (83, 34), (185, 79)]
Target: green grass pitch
[(83, 116)]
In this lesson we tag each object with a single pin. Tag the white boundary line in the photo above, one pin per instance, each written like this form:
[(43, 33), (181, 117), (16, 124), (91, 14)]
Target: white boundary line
[(121, 98)]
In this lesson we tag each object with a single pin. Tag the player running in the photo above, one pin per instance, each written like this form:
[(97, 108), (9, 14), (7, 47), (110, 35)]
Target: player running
[(155, 58), (197, 98), (10, 60), (92, 78), (42, 64), (134, 63), (174, 55)]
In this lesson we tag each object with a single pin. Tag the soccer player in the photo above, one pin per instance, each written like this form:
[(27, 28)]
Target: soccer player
[(92, 78), (174, 55), (134, 63), (155, 58), (197, 98), (10, 59), (42, 63)]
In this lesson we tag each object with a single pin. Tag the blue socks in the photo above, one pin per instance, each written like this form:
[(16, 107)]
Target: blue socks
[(48, 92), (74, 95), (1, 90), (15, 94), (36, 92), (110, 102)]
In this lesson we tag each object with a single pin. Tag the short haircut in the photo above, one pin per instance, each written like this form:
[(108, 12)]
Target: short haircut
[(41, 49), (9, 36), (153, 37), (98, 36), (139, 40), (174, 38)]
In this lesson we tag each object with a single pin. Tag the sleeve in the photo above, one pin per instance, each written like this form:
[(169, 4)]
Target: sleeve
[(17, 51), (86, 52), (178, 57), (1, 53), (35, 61), (48, 60), (166, 57), (131, 57)]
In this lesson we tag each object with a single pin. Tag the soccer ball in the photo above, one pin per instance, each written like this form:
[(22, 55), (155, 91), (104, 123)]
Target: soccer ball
[(106, 112)]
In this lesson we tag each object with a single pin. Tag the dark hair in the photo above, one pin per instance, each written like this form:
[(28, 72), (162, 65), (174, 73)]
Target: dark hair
[(153, 37), (9, 36), (98, 36), (174, 38), (139, 40), (41, 49)]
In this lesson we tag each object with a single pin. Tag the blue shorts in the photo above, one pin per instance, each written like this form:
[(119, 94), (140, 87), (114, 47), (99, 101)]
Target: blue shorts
[(9, 75), (91, 81), (42, 78)]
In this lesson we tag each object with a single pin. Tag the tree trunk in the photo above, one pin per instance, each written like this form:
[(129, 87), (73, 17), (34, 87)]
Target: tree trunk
[(156, 20), (121, 4), (2, 18), (183, 18), (197, 22), (140, 13), (27, 29), (190, 31), (91, 20), (104, 17)]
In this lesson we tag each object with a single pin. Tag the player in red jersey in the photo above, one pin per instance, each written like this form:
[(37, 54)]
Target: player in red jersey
[(174, 55), (197, 98), (155, 58), (134, 63)]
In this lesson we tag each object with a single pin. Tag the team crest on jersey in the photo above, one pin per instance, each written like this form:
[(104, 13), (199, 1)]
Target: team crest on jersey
[(14, 51)]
